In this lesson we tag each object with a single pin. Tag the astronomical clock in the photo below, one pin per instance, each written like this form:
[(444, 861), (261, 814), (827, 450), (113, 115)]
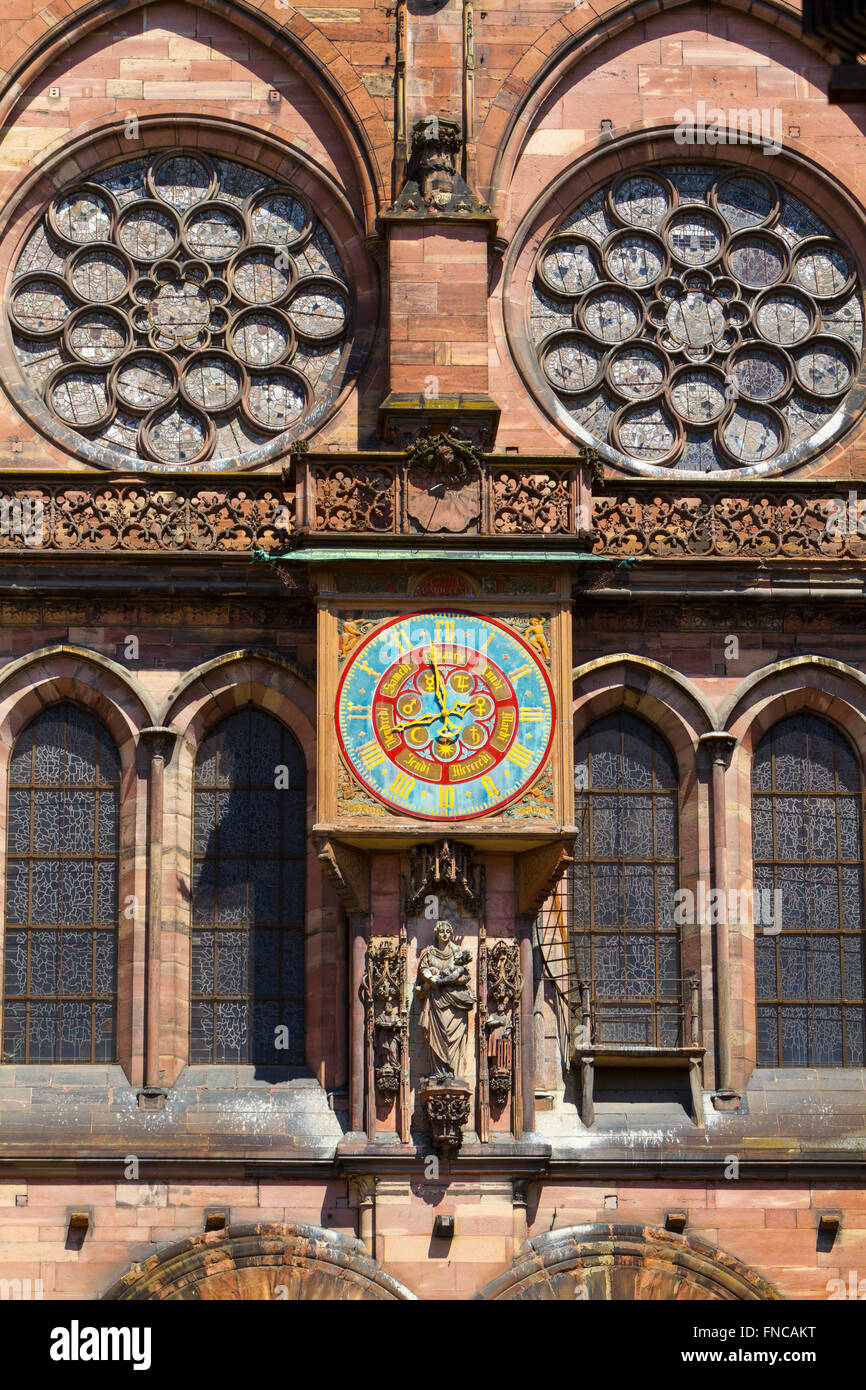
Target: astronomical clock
[(448, 714)]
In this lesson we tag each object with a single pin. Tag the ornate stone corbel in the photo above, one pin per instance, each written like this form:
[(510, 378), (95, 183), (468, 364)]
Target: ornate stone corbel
[(446, 1102), (349, 871), (537, 873), (434, 184)]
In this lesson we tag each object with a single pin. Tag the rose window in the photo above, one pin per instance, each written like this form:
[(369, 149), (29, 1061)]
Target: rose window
[(698, 317), (179, 311)]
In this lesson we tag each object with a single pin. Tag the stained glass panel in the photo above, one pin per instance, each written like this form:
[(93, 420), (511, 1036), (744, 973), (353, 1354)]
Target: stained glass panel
[(642, 305), (164, 289), (623, 939), (248, 894), (62, 870), (807, 836)]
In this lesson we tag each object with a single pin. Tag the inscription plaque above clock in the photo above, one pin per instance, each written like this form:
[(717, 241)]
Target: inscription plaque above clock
[(446, 716)]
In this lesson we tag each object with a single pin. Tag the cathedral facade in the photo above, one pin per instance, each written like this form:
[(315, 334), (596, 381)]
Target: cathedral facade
[(433, 666)]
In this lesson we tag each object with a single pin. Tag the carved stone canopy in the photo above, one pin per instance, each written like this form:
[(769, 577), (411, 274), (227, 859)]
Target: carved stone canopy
[(446, 867)]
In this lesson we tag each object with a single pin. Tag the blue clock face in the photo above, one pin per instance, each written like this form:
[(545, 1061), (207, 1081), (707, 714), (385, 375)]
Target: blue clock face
[(446, 716)]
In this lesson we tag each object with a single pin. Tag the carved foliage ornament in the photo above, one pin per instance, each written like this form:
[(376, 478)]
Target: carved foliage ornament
[(698, 316), (179, 310), (783, 526)]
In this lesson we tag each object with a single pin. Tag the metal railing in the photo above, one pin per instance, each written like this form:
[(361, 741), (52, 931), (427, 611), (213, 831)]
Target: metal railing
[(611, 1014)]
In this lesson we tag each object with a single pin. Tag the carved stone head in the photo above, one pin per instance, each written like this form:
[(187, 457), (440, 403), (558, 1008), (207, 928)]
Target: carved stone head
[(444, 932)]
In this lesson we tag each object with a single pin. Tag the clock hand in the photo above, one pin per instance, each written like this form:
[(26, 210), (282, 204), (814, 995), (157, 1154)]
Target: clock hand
[(438, 683), (459, 707), (422, 719)]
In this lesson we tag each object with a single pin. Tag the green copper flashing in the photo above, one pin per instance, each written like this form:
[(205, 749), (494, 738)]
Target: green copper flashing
[(316, 556)]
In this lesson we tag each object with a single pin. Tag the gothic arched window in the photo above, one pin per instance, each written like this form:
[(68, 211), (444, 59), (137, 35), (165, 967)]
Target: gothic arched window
[(624, 941), (248, 894), (61, 891), (808, 898)]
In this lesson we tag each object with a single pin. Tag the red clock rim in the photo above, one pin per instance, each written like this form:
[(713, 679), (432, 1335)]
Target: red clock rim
[(492, 622)]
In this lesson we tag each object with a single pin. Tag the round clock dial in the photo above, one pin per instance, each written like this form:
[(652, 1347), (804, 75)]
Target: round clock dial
[(446, 716)]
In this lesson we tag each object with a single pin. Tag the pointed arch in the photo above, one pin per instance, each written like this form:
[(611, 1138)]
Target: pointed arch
[(667, 700), (229, 681), (66, 671), (222, 686), (817, 683), (814, 684)]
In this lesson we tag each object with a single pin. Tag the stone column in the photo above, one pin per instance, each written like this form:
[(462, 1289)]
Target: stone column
[(358, 932), (526, 1118), (719, 747), (158, 742)]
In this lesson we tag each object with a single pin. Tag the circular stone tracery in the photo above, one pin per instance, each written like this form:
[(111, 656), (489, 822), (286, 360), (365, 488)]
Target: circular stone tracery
[(179, 310), (698, 317)]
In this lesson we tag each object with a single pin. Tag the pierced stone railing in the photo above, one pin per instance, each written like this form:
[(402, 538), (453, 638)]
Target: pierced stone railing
[(498, 497), (164, 516), (759, 521)]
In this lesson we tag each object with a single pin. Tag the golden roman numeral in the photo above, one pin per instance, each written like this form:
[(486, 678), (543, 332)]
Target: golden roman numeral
[(519, 755), (446, 798), (448, 625), (490, 787), (364, 714), (401, 785), (521, 671), (532, 714), (371, 754)]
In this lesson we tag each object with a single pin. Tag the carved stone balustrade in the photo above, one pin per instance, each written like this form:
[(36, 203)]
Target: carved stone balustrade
[(167, 515), (382, 495), (453, 491), (761, 521)]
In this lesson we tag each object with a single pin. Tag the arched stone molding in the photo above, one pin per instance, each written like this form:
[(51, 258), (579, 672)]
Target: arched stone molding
[(61, 673), (680, 713), (818, 685), (260, 1263), (301, 44), (625, 1262), (567, 42), (684, 709), (798, 675), (205, 695)]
